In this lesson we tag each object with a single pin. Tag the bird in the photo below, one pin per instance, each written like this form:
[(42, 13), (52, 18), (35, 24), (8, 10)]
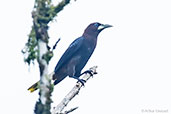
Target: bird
[(76, 55)]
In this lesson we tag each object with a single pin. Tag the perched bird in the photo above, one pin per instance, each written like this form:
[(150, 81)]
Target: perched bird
[(76, 56)]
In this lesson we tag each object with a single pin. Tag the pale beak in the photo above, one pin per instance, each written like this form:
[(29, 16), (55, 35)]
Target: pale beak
[(103, 26)]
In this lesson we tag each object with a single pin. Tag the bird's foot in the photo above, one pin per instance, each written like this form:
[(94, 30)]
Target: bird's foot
[(79, 80), (89, 72)]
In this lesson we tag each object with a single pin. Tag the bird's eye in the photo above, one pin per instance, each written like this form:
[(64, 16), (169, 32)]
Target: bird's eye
[(96, 24)]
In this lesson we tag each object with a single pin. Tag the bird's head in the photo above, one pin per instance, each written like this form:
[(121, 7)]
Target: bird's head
[(95, 28)]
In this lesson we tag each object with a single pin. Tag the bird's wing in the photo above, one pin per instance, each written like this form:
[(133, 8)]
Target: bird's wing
[(72, 49)]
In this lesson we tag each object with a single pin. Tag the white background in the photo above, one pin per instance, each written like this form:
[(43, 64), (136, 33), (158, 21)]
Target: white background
[(133, 57)]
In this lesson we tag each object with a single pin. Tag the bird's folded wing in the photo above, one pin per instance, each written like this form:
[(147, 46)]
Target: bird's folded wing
[(68, 54)]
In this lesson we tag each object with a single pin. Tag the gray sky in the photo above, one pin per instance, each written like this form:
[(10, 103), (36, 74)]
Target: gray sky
[(133, 57)]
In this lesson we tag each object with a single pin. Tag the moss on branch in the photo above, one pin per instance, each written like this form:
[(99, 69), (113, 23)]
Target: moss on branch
[(43, 13)]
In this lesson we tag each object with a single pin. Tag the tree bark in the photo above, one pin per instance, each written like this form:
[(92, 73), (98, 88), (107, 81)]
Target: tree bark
[(43, 13)]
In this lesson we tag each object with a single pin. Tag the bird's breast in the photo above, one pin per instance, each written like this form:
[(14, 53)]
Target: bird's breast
[(90, 45)]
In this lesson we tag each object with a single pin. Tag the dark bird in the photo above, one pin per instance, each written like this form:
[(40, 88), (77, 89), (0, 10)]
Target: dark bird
[(77, 55)]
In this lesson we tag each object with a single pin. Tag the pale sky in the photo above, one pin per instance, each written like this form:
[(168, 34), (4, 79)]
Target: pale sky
[(133, 57)]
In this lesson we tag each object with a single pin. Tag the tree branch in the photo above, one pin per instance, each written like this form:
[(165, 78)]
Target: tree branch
[(75, 90), (54, 10), (61, 5), (69, 111), (37, 48), (56, 44)]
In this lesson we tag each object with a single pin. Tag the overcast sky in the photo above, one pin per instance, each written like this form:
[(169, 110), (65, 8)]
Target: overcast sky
[(133, 57)]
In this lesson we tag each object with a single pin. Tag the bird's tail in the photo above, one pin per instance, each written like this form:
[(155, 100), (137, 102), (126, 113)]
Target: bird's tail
[(34, 87)]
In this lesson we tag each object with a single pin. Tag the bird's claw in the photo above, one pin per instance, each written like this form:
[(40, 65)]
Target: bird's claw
[(82, 81), (89, 72)]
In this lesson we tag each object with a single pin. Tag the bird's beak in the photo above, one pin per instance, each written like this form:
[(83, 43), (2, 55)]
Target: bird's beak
[(103, 26)]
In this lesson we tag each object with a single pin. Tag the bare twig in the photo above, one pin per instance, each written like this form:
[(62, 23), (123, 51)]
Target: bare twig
[(56, 43), (72, 109), (75, 90)]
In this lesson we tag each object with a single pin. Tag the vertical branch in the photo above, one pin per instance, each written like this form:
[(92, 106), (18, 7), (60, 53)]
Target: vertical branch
[(43, 105), (44, 13), (37, 48)]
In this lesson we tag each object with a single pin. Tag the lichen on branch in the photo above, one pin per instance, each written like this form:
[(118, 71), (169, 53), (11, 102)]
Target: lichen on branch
[(43, 13)]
